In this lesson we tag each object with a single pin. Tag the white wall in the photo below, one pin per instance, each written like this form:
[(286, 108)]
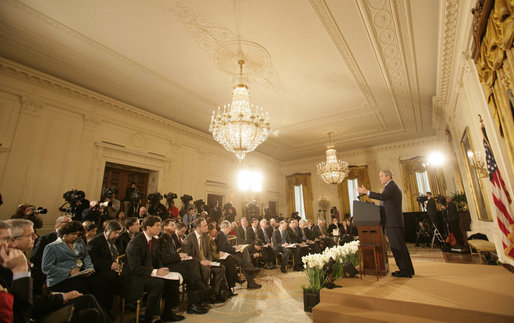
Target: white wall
[(56, 136)]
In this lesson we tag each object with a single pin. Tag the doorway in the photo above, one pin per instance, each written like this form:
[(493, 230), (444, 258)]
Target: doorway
[(121, 176)]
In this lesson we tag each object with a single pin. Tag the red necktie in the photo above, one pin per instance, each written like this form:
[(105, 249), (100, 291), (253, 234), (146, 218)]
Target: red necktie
[(150, 245)]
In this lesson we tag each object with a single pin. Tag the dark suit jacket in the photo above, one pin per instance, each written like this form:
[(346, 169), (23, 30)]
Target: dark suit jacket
[(98, 250), (168, 250), (240, 235), (269, 231), (139, 265), (42, 242), (317, 231), (292, 235), (21, 289), (277, 238), (191, 247), (122, 242), (391, 198), (223, 244), (254, 235), (308, 233)]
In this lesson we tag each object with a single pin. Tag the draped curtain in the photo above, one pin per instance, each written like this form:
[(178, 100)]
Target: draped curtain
[(410, 185), (493, 27), (305, 181), (356, 172)]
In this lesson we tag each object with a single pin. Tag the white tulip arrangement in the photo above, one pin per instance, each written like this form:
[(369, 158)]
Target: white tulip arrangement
[(314, 264)]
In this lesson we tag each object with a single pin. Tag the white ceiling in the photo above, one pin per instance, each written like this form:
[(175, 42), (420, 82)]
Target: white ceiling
[(364, 70)]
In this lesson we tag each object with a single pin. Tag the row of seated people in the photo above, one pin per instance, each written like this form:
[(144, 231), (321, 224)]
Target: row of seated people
[(71, 266)]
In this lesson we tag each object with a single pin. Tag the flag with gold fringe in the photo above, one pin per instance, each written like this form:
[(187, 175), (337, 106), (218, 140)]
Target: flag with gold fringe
[(501, 199)]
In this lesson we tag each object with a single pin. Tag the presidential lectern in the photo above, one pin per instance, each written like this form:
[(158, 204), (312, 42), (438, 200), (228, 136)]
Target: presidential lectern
[(369, 219)]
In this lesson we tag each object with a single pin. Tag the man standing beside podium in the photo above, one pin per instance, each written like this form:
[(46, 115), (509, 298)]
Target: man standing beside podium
[(391, 198)]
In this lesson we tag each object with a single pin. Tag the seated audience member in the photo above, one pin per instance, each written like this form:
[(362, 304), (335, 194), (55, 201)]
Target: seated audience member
[(273, 224), (142, 212), (173, 211), (90, 230), (243, 233), (37, 254), (14, 277), (334, 229), (67, 256), (26, 211), (264, 234), (197, 245), (179, 262), (180, 234), (320, 232), (244, 259), (281, 243), (254, 225), (132, 227), (293, 236), (346, 232), (310, 225), (143, 268), (233, 228), (306, 237), (190, 216), (103, 253), (85, 307), (230, 263)]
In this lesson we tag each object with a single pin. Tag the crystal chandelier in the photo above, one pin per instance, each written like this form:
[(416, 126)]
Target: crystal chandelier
[(332, 171), (240, 127)]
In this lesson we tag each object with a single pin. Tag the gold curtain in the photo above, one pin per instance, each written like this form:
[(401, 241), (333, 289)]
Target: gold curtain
[(305, 181), (410, 185), (495, 66), (356, 172)]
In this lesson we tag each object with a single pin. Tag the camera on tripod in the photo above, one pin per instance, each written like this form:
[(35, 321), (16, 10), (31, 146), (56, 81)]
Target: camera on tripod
[(155, 197), (137, 195), (186, 199), (40, 210), (170, 197), (441, 200), (72, 198), (422, 198)]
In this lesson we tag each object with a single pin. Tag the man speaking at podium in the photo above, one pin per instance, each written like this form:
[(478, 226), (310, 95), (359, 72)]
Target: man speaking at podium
[(391, 198)]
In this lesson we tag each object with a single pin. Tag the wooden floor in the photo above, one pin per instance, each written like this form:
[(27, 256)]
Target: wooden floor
[(438, 292)]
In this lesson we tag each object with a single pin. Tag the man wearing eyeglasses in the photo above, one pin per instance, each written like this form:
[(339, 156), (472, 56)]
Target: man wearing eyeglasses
[(85, 306)]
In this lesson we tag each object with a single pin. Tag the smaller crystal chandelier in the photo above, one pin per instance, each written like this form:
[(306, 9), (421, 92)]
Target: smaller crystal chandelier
[(332, 171), (237, 128)]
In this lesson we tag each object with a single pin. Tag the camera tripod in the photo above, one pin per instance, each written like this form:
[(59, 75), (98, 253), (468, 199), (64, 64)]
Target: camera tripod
[(436, 235)]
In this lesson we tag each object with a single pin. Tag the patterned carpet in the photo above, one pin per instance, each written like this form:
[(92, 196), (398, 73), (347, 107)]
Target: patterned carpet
[(279, 299)]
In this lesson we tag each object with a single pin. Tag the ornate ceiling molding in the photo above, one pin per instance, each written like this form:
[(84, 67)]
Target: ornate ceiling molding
[(389, 29), (446, 58), (55, 84), (210, 36), (328, 21)]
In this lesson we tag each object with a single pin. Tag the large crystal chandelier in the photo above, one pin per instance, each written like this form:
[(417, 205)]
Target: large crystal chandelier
[(332, 171), (240, 127)]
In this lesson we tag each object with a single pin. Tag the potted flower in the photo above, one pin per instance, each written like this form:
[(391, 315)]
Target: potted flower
[(317, 278)]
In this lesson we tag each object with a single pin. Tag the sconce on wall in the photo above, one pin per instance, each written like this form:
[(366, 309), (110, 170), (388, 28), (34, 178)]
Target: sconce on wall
[(478, 164)]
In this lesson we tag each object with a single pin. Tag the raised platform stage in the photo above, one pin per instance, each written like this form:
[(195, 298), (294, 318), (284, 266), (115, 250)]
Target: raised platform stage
[(438, 292)]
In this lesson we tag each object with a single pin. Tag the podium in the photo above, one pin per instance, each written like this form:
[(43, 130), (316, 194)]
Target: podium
[(369, 219)]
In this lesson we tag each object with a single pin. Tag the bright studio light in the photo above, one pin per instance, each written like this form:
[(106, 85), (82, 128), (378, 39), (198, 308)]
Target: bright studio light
[(249, 180), (436, 158)]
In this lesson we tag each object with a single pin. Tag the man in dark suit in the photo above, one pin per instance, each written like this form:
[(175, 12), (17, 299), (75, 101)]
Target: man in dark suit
[(254, 228), (197, 245), (244, 234), (244, 259), (281, 242), (179, 262), (104, 253), (301, 247), (143, 267), (320, 233), (306, 237), (132, 228), (37, 253), (265, 233), (391, 198)]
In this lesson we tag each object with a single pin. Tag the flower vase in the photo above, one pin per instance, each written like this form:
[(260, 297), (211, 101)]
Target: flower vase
[(310, 299)]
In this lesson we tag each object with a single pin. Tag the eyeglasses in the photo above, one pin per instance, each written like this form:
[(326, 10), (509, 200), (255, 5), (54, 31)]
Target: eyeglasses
[(32, 235), (6, 239)]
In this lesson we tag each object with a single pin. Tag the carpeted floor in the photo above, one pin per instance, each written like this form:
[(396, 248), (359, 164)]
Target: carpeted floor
[(279, 299)]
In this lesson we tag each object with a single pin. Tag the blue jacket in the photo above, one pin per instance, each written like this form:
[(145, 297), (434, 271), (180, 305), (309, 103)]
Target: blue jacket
[(59, 260)]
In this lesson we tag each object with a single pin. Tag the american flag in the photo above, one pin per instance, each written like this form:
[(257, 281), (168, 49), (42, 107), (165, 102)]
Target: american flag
[(501, 199)]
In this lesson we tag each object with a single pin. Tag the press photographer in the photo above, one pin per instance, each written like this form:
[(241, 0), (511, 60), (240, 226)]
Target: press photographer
[(95, 213), (109, 195), (133, 200), (31, 213), (172, 209), (156, 207), (186, 199), (76, 202)]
